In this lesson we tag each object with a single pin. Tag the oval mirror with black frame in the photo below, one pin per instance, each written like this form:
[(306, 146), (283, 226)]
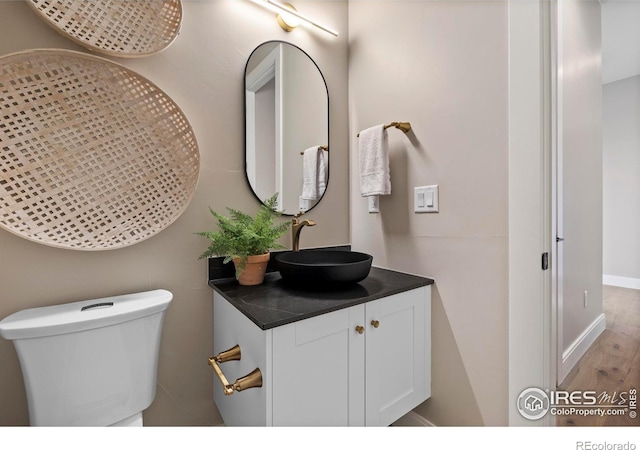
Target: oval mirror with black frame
[(286, 126)]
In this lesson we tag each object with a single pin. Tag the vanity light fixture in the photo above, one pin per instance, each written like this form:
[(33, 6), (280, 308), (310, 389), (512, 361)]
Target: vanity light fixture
[(286, 20), (289, 18)]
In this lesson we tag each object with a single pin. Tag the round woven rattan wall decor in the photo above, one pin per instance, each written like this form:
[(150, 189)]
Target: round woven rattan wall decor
[(126, 28), (93, 156)]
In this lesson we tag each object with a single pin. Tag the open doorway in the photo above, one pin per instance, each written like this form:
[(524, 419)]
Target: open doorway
[(535, 118), (598, 327)]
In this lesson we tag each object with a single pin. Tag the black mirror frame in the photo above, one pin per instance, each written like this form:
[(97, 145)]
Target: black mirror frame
[(244, 94)]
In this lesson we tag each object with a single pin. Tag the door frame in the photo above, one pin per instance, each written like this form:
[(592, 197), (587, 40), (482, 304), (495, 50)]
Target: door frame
[(532, 139), (270, 68), (557, 218)]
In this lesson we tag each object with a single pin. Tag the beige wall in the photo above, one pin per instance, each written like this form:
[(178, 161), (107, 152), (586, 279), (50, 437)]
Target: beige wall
[(581, 137), (203, 72), (443, 67)]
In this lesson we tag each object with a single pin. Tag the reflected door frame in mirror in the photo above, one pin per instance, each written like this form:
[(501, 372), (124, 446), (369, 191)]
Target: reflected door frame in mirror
[(267, 71), (274, 143)]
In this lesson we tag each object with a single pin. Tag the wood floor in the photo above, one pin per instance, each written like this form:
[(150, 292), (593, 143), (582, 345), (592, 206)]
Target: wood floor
[(612, 364)]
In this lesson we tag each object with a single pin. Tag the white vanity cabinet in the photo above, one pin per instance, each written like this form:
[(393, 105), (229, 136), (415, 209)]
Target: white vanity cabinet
[(367, 364)]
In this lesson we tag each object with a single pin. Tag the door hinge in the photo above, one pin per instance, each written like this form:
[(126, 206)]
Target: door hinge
[(545, 261)]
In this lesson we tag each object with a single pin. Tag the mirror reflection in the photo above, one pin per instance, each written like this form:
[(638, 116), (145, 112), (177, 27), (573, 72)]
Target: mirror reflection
[(287, 126)]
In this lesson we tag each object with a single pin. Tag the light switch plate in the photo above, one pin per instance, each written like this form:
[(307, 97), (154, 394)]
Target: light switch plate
[(425, 199)]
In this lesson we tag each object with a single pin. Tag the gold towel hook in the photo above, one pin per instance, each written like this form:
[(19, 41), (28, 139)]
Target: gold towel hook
[(404, 126)]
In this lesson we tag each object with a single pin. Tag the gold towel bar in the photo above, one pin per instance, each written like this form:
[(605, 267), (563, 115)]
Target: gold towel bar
[(320, 147), (404, 126)]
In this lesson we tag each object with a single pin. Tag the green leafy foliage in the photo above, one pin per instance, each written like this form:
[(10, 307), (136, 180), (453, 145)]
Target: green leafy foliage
[(241, 235)]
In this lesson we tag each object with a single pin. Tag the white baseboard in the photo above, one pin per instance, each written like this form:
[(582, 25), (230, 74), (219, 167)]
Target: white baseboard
[(580, 346), (412, 419), (625, 282)]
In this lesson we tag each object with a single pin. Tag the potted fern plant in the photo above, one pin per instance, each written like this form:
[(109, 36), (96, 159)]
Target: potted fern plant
[(246, 240)]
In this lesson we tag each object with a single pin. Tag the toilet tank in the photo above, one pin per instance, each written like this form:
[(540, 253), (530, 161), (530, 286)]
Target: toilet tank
[(89, 363)]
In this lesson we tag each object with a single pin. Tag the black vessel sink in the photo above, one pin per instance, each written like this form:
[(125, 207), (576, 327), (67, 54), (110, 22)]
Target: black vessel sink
[(323, 267)]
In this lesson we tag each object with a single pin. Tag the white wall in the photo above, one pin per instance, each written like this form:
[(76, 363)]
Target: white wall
[(203, 71), (621, 168), (620, 39), (581, 139), (442, 66)]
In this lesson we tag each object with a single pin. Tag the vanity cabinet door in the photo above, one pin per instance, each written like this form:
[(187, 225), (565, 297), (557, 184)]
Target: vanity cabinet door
[(318, 370), (398, 347)]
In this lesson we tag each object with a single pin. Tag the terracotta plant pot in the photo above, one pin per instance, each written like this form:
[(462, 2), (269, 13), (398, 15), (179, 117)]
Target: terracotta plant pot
[(254, 270)]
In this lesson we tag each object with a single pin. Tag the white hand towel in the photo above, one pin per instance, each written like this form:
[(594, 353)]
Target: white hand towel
[(373, 156), (314, 173)]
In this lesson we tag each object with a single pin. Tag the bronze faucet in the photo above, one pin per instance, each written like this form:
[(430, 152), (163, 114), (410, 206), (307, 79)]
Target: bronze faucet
[(296, 227)]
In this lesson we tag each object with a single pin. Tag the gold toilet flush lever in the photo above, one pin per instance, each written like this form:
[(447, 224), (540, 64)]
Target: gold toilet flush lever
[(251, 380)]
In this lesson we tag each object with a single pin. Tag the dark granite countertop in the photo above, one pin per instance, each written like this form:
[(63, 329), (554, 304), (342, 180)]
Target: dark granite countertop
[(275, 303)]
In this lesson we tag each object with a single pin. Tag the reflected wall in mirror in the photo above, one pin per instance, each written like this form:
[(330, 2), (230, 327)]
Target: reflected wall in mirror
[(286, 126)]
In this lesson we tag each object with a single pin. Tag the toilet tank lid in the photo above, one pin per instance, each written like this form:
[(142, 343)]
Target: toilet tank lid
[(83, 315)]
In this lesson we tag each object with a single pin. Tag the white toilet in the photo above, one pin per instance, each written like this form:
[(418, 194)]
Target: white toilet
[(90, 363)]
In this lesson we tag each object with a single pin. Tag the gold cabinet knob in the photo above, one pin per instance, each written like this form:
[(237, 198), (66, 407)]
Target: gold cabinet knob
[(360, 329), (375, 323)]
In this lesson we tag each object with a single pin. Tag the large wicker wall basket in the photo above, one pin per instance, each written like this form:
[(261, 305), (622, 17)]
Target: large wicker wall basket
[(125, 28), (93, 156)]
